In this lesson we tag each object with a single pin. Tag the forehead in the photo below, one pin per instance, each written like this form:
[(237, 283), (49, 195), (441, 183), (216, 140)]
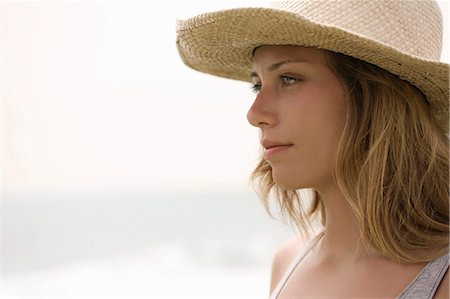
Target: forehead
[(264, 55)]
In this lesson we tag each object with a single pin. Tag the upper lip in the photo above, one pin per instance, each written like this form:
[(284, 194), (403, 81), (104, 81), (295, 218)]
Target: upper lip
[(270, 144)]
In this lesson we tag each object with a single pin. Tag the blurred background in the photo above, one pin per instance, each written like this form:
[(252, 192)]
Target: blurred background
[(123, 172)]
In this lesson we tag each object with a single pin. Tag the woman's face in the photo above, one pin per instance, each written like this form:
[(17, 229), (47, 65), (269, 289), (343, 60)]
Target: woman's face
[(300, 108)]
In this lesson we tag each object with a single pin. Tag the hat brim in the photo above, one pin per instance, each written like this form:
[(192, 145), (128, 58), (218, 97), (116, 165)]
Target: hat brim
[(222, 44)]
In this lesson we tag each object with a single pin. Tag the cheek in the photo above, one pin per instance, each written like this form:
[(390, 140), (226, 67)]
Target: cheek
[(329, 131), (318, 129), (317, 117), (331, 107)]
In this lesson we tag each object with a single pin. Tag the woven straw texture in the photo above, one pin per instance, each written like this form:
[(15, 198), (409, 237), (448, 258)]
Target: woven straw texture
[(401, 36)]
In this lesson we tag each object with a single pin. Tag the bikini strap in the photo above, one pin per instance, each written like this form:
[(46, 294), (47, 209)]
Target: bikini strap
[(294, 265), (427, 281)]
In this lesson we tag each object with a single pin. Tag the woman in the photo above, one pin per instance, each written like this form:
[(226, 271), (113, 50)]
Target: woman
[(352, 103)]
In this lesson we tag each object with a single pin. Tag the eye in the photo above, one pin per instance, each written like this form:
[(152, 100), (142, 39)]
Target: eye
[(288, 80), (256, 87)]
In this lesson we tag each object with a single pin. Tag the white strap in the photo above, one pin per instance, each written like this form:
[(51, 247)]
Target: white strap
[(294, 265), (425, 284)]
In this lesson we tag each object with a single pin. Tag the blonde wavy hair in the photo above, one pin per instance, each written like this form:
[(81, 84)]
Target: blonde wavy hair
[(392, 167)]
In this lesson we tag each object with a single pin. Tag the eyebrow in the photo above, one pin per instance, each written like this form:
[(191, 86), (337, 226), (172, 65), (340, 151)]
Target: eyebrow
[(275, 66)]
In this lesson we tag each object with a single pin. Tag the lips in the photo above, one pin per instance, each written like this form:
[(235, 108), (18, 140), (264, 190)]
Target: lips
[(274, 147), (267, 144)]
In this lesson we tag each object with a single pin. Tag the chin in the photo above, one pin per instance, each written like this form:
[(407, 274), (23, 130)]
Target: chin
[(291, 180), (287, 182)]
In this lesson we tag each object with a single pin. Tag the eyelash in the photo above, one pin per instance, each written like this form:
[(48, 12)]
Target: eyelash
[(256, 87)]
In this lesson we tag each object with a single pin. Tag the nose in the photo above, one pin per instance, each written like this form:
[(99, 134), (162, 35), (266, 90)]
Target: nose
[(262, 112)]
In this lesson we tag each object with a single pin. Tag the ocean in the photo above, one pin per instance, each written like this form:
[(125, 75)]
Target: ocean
[(193, 244)]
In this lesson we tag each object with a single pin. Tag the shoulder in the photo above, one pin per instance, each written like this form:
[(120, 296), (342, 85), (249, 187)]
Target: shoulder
[(284, 257), (443, 289)]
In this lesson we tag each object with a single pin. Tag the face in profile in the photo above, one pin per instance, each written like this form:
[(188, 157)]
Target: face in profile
[(300, 109)]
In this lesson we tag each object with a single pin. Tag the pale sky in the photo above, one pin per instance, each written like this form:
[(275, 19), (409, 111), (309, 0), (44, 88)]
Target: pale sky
[(95, 97)]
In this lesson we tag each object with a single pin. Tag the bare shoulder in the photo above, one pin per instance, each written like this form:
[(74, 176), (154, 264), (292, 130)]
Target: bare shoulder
[(443, 290), (284, 257)]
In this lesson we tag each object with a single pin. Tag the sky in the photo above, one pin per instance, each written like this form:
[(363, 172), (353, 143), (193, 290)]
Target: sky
[(95, 97)]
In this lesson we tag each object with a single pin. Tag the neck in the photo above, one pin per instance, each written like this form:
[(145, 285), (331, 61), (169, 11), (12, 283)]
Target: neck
[(342, 237)]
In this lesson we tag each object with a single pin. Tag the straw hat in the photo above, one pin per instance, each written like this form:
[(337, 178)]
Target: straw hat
[(401, 36)]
